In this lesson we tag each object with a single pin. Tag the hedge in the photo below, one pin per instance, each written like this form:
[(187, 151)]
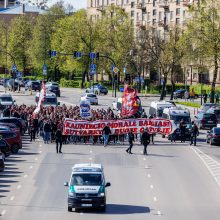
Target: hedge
[(207, 88), (191, 104)]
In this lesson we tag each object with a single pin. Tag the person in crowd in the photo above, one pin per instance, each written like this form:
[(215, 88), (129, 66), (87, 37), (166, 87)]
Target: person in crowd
[(182, 130), (32, 130), (106, 133), (194, 134), (217, 97), (205, 97), (130, 140), (59, 141), (186, 95), (145, 140), (47, 131)]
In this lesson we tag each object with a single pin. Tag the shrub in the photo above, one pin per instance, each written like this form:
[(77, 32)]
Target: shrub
[(191, 104), (207, 88)]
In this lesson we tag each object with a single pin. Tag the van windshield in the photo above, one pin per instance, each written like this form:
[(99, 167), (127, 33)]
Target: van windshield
[(6, 99), (178, 118), (86, 179)]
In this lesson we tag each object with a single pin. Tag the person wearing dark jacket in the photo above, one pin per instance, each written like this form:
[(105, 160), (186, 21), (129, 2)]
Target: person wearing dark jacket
[(194, 134), (145, 139), (47, 131), (58, 138), (106, 132), (130, 140), (182, 130)]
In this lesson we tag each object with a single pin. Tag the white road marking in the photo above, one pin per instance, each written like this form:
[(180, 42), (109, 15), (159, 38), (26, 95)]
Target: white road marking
[(40, 145), (19, 186), (212, 165), (155, 198), (12, 198), (36, 158), (25, 176), (159, 213), (90, 158), (147, 167), (3, 212), (31, 167), (90, 151), (144, 158), (40, 152), (151, 186), (148, 175)]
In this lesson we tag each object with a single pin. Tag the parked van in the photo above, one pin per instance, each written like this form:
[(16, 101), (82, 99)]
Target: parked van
[(50, 99), (87, 187), (177, 114), (157, 107)]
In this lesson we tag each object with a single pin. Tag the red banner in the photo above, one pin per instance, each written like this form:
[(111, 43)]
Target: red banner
[(93, 128), (130, 103)]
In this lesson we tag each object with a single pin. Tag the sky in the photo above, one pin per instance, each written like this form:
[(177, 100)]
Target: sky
[(76, 3)]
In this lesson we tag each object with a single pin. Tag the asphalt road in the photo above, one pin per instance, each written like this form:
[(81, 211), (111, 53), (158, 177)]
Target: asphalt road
[(175, 181)]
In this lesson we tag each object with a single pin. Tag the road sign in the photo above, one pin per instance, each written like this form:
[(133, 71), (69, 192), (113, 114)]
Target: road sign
[(92, 56), (77, 54), (53, 53), (45, 69), (18, 74), (14, 67), (93, 69), (115, 70)]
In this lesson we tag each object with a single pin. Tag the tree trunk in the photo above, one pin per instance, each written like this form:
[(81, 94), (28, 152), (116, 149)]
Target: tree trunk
[(212, 97), (162, 95), (172, 85)]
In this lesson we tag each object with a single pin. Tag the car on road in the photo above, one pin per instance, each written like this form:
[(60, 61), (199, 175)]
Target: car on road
[(91, 97), (213, 136), (180, 93), (176, 135), (97, 89), (206, 106), (11, 85), (2, 163), (6, 101), (206, 120), (216, 111), (49, 100), (20, 81), (157, 107), (53, 87), (33, 85), (12, 138), (87, 187), (5, 148)]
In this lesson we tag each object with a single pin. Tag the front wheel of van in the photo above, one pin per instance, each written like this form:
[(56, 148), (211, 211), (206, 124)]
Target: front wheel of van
[(103, 209), (70, 209)]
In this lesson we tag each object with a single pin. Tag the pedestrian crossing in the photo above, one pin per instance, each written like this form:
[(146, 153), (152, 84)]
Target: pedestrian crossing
[(212, 165)]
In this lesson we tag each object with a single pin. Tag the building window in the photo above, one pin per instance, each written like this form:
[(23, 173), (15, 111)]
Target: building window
[(178, 11), (127, 1), (91, 4), (154, 12), (132, 4), (148, 16), (154, 3), (160, 15), (154, 21), (132, 13), (177, 20), (171, 15), (184, 14), (177, 2), (138, 16)]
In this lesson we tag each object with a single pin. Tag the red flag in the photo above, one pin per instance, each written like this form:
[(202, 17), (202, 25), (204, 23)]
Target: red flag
[(130, 104)]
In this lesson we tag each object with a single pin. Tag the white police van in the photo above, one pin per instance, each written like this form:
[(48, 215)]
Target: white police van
[(50, 99), (157, 107), (176, 114), (87, 187)]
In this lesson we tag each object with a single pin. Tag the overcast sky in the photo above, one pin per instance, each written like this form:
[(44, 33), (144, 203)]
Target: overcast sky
[(76, 3)]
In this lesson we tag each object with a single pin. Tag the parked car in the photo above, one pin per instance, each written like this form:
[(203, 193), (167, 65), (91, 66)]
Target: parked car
[(32, 85), (92, 98), (4, 82), (2, 163), (177, 137), (13, 139), (5, 148), (213, 136), (6, 101), (11, 85), (17, 121), (216, 111), (180, 94), (206, 120), (53, 87), (97, 89), (206, 106), (20, 81)]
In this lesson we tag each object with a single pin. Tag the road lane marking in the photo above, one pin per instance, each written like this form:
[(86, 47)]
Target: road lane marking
[(159, 213), (40, 145), (155, 198), (90, 151), (19, 186), (3, 212), (151, 186), (36, 158), (31, 167), (144, 158), (25, 176), (12, 198), (90, 158), (209, 165), (148, 175), (40, 152)]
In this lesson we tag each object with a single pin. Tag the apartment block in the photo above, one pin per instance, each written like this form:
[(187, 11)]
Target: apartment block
[(7, 3)]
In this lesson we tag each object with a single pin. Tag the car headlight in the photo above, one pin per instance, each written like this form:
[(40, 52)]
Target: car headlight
[(101, 194), (72, 194)]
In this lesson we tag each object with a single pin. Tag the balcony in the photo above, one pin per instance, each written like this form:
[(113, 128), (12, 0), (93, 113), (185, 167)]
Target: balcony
[(164, 4)]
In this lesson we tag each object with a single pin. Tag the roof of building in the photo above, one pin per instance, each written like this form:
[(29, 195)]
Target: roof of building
[(18, 9)]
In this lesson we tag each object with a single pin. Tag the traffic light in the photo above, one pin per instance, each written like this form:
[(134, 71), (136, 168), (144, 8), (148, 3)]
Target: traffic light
[(97, 56)]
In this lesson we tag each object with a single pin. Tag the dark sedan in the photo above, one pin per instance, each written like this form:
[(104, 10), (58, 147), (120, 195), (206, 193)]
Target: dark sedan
[(213, 136), (5, 148), (180, 93), (33, 85), (206, 120), (54, 88)]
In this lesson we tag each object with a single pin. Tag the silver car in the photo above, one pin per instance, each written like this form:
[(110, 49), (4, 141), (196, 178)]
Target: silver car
[(91, 97)]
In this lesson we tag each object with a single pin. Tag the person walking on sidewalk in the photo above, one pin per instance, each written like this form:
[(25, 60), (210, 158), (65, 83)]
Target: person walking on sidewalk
[(130, 140), (47, 131), (194, 134), (106, 132), (145, 139), (59, 141)]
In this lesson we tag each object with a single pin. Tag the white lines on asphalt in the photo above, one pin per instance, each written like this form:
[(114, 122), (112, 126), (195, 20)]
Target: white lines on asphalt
[(3, 212), (147, 167), (148, 175), (36, 158), (40, 152), (19, 186), (212, 165), (151, 186), (155, 198), (40, 145), (90, 151), (159, 213), (25, 176), (144, 158), (12, 198), (31, 167), (90, 158)]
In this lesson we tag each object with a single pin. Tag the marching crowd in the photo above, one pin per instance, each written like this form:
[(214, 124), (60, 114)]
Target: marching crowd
[(48, 124)]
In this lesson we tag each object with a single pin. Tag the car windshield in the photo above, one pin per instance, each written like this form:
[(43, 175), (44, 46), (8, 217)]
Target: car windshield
[(35, 83), (209, 116), (178, 118), (6, 99), (91, 95), (217, 130), (86, 179), (50, 100)]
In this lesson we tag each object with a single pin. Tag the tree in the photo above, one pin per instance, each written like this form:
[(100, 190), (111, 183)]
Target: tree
[(19, 40), (3, 43)]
